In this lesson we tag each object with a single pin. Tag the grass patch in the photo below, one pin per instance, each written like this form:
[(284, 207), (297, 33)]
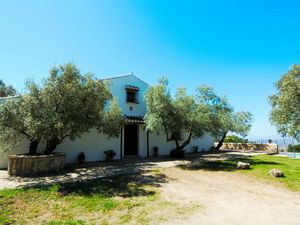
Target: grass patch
[(133, 199), (263, 163), (260, 166)]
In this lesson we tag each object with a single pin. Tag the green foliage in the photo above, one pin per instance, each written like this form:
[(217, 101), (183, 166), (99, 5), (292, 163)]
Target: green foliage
[(22, 118), (295, 148), (222, 116), (192, 115), (74, 104), (285, 104), (184, 114), (6, 90), (221, 112), (235, 139), (110, 153), (113, 120), (66, 106), (242, 123)]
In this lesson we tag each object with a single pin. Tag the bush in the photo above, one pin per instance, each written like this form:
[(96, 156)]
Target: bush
[(110, 154), (177, 153), (235, 139), (295, 148)]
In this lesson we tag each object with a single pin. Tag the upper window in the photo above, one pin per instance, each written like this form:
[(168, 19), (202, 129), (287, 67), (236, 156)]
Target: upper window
[(132, 94)]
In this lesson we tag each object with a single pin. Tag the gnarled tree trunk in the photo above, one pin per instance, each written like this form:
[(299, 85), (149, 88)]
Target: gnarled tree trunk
[(179, 151), (221, 142), (33, 146), (51, 145)]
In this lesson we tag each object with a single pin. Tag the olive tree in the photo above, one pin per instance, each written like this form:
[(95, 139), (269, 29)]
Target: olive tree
[(286, 104), (113, 120), (222, 116), (75, 103), (182, 117), (67, 105), (21, 118), (6, 90)]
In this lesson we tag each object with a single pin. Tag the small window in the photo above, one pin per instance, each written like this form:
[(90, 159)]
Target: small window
[(132, 94)]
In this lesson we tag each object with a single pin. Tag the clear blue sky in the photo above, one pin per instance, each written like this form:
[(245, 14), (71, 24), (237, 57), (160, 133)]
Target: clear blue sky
[(239, 47)]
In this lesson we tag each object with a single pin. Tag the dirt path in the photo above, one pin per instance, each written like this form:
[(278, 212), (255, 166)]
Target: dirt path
[(229, 198)]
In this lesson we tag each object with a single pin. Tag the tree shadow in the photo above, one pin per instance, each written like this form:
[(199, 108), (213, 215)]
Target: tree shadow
[(91, 171), (210, 165), (123, 185), (229, 164)]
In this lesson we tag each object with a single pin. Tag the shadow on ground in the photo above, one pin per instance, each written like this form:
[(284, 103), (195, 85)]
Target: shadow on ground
[(125, 185), (90, 172), (223, 162)]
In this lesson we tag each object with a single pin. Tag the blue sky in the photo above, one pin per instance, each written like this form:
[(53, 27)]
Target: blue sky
[(241, 48)]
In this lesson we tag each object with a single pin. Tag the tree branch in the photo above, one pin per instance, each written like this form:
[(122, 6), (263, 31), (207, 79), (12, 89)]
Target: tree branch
[(185, 143), (167, 134)]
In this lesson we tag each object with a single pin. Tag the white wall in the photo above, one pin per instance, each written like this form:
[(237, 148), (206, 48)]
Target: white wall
[(142, 143), (159, 140), (93, 144), (118, 85), (204, 143), (21, 148)]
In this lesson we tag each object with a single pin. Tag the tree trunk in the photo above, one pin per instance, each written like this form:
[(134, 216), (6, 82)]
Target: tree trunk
[(185, 143), (179, 151), (177, 145), (221, 142), (51, 145), (33, 147)]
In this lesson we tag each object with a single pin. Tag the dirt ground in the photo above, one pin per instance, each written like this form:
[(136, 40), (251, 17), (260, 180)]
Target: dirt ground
[(229, 198)]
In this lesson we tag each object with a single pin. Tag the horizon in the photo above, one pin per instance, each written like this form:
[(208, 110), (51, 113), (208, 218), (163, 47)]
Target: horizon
[(239, 48)]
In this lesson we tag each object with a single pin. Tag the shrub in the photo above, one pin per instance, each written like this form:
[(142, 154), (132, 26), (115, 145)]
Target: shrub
[(295, 148), (235, 139), (110, 154)]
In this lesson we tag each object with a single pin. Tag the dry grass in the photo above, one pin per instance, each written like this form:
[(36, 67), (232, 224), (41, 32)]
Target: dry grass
[(133, 199)]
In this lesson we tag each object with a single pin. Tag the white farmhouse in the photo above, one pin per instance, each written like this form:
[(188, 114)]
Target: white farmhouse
[(134, 140)]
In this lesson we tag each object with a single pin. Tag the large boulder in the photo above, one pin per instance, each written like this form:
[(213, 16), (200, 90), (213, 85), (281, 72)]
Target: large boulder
[(243, 165), (276, 173)]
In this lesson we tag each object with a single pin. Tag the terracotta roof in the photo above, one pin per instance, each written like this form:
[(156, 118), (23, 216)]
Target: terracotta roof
[(134, 119), (131, 87)]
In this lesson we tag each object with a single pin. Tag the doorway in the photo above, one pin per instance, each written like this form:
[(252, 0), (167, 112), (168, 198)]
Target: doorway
[(130, 139)]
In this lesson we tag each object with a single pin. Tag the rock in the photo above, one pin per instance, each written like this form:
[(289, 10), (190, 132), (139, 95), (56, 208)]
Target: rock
[(276, 173), (243, 166)]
